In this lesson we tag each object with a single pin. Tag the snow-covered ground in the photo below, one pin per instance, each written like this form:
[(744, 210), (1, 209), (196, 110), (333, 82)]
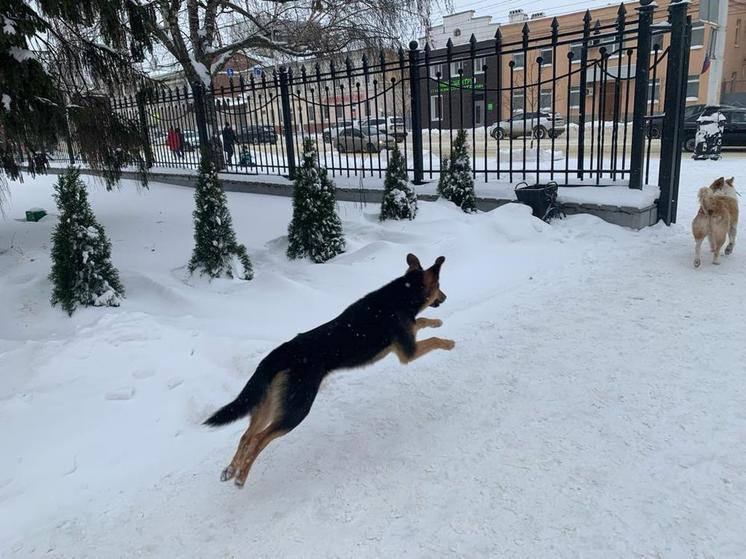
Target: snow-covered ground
[(594, 405)]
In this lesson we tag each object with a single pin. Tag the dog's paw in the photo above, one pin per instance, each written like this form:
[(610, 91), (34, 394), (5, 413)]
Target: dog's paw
[(238, 482), (227, 474), (716, 262), (697, 262), (436, 323), (729, 249), (448, 345)]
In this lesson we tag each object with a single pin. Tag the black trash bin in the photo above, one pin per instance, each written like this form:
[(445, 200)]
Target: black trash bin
[(541, 198)]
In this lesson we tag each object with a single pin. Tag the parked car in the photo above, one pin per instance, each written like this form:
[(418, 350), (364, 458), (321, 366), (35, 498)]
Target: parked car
[(191, 139), (654, 123), (734, 134), (540, 125), (257, 135), (328, 134), (392, 125), (357, 139)]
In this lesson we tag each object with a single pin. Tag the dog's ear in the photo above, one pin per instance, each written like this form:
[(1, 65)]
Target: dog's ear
[(730, 181), (413, 262), (438, 263), (718, 183)]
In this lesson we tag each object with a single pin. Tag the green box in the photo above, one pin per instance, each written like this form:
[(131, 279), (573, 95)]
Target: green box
[(35, 214)]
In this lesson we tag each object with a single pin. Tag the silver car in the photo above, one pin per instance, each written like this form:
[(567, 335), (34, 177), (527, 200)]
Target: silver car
[(540, 125), (359, 139)]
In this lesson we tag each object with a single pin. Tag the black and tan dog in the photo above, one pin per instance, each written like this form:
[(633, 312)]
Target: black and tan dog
[(280, 393)]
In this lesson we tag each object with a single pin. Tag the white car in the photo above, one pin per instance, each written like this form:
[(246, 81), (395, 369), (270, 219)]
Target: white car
[(328, 134), (540, 125), (391, 125)]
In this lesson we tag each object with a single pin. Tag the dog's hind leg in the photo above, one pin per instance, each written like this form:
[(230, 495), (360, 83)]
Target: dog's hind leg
[(731, 238), (293, 400), (717, 240), (259, 420), (698, 252)]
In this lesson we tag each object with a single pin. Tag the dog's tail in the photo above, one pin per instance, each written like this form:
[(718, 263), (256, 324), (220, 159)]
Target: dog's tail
[(706, 200), (251, 395)]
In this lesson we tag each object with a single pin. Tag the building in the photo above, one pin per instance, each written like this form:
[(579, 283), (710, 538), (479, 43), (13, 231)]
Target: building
[(464, 92)]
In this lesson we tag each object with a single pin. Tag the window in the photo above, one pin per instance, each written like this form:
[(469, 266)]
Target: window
[(657, 41), (698, 34), (519, 60), (436, 107), (479, 64), (456, 66), (436, 70), (574, 97), (708, 10), (577, 52), (737, 117), (311, 112), (545, 99), (339, 111), (324, 112), (518, 102), (692, 87), (654, 89), (547, 56), (738, 31)]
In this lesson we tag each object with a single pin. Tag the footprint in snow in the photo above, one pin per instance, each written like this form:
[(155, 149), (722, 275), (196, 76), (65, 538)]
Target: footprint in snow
[(125, 393), (174, 382), (143, 373)]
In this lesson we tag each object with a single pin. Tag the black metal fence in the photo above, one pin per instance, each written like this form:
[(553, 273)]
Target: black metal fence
[(568, 105)]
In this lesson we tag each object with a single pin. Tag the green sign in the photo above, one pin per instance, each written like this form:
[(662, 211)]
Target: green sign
[(489, 106), (459, 83)]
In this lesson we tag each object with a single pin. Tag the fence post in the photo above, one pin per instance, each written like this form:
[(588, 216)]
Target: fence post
[(140, 96), (642, 76), (287, 125), (582, 92), (675, 100), (414, 91)]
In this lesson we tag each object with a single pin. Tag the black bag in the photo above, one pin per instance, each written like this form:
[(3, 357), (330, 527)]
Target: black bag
[(542, 198)]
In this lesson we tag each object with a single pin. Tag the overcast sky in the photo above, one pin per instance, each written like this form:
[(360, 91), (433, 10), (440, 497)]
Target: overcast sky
[(499, 9)]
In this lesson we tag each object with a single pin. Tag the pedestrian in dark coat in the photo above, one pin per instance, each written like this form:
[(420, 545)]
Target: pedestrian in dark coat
[(229, 141)]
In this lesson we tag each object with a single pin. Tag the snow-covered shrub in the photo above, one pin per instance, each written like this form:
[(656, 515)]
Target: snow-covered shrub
[(456, 182), (315, 230), (215, 247), (82, 272), (399, 199)]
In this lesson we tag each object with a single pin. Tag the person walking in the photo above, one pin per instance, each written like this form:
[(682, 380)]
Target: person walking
[(229, 141), (174, 141)]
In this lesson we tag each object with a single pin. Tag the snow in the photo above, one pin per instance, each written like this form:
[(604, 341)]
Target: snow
[(5, 101), (593, 405), (20, 54), (201, 69)]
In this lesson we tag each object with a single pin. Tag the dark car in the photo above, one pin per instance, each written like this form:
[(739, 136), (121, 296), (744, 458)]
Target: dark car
[(257, 135), (732, 136)]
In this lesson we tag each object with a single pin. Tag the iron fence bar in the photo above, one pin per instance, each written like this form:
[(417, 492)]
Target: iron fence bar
[(673, 111), (416, 113), (286, 120), (582, 92), (642, 74), (499, 101), (525, 33), (570, 57), (652, 112), (555, 63), (621, 21)]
